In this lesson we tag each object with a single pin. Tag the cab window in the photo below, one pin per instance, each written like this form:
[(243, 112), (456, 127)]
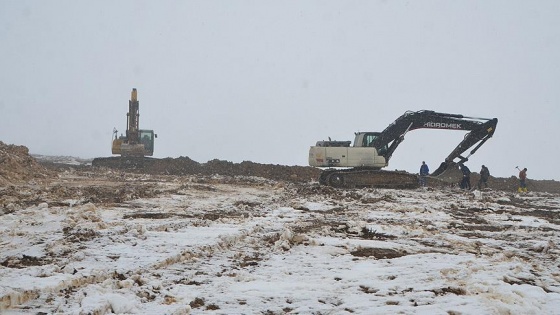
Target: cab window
[(145, 136), (369, 139)]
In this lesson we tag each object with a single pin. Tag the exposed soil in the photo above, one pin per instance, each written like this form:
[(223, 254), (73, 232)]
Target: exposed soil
[(379, 253), (24, 181), (16, 165), (186, 166)]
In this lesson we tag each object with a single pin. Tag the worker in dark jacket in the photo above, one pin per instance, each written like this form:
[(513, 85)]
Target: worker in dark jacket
[(466, 182), (424, 171), (484, 175)]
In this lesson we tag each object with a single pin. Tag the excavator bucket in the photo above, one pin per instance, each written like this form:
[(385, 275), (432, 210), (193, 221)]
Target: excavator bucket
[(444, 166)]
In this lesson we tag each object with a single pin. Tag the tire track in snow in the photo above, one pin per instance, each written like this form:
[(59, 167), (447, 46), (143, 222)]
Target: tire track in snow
[(79, 281)]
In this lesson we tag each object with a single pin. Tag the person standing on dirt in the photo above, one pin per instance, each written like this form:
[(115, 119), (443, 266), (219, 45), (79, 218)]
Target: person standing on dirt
[(522, 178), (466, 182), (484, 175), (424, 172)]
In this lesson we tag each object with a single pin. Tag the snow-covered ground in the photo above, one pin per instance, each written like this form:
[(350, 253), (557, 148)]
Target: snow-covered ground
[(253, 246)]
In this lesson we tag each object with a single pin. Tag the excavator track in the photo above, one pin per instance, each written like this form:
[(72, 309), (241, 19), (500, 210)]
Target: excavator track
[(353, 178)]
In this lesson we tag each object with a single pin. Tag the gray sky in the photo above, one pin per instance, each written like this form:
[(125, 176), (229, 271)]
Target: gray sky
[(264, 80)]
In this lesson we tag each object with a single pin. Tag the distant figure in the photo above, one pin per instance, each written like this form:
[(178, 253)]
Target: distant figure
[(466, 182), (522, 183), (484, 175), (424, 171)]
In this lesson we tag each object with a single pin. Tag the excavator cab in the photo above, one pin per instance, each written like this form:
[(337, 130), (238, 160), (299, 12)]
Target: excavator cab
[(367, 139), (147, 139)]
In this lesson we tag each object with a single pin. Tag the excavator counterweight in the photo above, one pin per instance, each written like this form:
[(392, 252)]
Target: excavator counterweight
[(372, 151)]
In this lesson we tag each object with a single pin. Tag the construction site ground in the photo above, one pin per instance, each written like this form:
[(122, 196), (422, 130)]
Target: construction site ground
[(174, 236)]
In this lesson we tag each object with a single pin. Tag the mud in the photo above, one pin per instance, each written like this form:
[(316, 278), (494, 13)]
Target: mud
[(379, 253), (24, 261)]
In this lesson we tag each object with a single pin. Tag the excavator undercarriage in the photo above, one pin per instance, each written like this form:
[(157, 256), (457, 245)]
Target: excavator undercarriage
[(363, 177)]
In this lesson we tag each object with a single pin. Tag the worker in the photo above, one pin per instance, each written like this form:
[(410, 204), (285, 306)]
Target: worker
[(466, 182), (484, 174), (424, 171), (522, 178)]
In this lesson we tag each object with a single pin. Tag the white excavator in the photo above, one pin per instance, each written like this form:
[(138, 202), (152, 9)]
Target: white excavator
[(360, 164)]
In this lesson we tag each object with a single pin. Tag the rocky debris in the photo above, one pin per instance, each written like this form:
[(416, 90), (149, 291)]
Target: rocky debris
[(17, 166)]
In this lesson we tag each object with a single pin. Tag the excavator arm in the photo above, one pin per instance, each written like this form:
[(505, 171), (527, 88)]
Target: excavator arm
[(480, 130)]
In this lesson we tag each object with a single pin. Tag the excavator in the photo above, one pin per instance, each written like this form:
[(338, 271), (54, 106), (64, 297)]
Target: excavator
[(137, 142), (360, 165)]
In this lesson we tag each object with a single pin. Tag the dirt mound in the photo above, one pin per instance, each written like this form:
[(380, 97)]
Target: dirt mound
[(186, 166), (16, 165)]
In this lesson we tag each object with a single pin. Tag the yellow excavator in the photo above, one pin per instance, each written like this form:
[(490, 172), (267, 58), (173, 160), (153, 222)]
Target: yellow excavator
[(137, 142)]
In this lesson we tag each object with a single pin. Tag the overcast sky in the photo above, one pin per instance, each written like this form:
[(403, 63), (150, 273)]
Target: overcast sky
[(264, 80)]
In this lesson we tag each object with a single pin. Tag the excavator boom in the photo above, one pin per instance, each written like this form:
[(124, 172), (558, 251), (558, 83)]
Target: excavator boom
[(133, 118), (481, 129)]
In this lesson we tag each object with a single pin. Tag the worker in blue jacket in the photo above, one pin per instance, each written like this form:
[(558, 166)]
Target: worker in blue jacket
[(424, 171)]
